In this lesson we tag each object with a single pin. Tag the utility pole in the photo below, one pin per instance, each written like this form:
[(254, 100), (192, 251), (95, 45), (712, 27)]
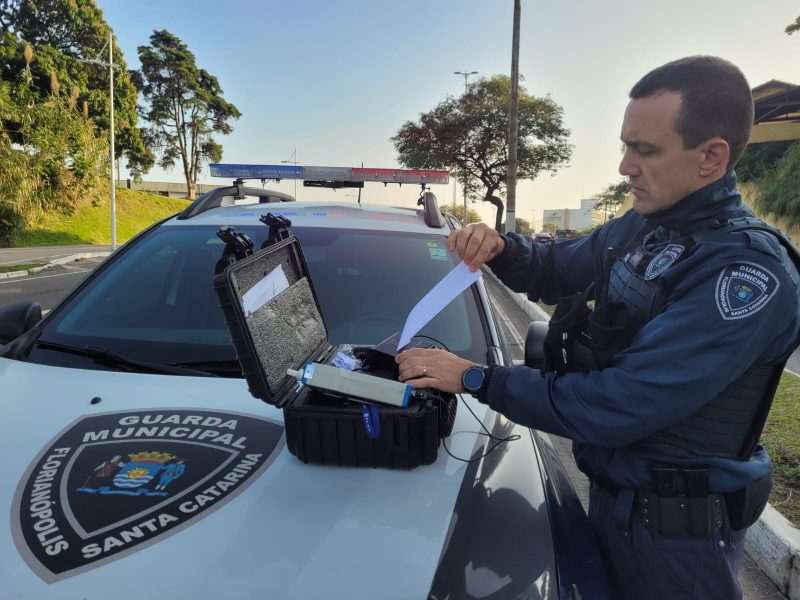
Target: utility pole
[(513, 125), (466, 75)]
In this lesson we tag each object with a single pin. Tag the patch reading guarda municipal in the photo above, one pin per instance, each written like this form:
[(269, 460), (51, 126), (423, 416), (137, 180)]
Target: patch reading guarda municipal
[(744, 288), (109, 483)]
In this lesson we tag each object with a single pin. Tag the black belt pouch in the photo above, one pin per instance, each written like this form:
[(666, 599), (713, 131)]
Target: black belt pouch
[(746, 505)]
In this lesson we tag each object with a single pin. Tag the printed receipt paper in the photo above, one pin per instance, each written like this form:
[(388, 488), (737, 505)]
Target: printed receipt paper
[(442, 294), (265, 290)]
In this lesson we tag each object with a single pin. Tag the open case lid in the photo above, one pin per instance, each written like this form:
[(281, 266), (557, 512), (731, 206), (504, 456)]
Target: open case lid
[(275, 320)]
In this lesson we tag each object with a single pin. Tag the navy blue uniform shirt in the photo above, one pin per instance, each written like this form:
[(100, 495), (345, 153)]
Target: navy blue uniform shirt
[(676, 363)]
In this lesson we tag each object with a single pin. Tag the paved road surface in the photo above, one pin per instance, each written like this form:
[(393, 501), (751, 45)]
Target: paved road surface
[(45, 254), (50, 285)]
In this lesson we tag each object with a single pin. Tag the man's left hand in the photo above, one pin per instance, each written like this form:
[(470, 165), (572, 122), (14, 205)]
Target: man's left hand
[(432, 368)]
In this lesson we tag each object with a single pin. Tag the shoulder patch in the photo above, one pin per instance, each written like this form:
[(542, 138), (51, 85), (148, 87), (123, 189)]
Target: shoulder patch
[(744, 288), (663, 260)]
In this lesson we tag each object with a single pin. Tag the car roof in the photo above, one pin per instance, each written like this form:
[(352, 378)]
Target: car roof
[(320, 214)]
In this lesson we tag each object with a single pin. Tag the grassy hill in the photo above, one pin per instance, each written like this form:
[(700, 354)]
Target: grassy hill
[(92, 224)]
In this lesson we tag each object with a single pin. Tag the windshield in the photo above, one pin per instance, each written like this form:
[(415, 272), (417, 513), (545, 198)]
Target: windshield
[(156, 301)]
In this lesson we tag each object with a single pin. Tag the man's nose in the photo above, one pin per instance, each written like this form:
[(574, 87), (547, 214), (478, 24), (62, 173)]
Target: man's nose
[(627, 166)]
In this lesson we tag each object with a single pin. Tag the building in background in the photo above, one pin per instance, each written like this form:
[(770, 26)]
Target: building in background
[(573, 218)]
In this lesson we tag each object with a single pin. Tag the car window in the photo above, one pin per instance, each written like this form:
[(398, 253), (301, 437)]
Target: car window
[(155, 302)]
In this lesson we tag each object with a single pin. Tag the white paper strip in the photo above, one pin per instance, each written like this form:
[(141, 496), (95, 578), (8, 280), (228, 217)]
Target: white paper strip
[(266, 289), (442, 294)]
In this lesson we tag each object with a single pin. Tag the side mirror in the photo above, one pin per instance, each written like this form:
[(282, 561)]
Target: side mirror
[(534, 344), (17, 318)]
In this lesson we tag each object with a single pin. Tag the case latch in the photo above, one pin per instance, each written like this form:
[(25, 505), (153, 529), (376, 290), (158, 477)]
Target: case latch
[(278, 228)]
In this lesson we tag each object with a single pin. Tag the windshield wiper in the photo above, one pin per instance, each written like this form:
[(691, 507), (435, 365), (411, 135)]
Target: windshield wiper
[(123, 362), (223, 368)]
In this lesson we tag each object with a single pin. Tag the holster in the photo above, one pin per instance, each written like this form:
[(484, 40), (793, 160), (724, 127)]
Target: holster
[(581, 339), (566, 326), (608, 329), (746, 505)]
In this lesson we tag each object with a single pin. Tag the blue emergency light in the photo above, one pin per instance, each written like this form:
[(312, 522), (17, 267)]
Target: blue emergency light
[(256, 171), (330, 174)]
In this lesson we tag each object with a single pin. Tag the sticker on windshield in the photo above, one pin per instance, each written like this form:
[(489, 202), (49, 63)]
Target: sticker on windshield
[(111, 484), (438, 253)]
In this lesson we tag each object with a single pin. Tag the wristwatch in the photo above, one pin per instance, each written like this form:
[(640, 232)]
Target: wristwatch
[(472, 379)]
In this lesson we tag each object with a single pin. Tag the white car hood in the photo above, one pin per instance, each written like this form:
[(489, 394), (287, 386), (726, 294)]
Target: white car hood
[(290, 531)]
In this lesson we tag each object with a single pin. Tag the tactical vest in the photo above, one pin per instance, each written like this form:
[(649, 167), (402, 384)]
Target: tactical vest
[(731, 423)]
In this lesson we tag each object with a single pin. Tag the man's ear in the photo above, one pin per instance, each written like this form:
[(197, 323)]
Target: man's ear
[(714, 157)]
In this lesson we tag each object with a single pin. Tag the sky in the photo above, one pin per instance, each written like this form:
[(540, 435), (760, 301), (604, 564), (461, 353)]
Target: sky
[(330, 82)]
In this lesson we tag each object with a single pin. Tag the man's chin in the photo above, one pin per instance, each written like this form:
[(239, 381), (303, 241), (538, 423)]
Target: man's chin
[(641, 206)]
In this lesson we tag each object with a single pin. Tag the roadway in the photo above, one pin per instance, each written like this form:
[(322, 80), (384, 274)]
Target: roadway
[(52, 284), (45, 254)]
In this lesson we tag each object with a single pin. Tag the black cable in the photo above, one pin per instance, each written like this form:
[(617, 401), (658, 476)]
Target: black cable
[(489, 434), (433, 339)]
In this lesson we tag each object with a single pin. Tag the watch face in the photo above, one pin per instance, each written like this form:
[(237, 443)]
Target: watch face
[(472, 379)]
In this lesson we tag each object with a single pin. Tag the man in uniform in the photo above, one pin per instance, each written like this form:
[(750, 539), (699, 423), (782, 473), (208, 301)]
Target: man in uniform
[(696, 312)]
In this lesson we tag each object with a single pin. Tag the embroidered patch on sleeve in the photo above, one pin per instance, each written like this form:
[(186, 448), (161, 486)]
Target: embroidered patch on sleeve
[(744, 288), (663, 261)]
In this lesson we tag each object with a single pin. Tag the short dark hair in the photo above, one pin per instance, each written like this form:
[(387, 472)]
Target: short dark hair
[(716, 100)]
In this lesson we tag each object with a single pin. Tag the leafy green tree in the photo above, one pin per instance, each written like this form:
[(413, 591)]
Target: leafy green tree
[(52, 160), (63, 34), (184, 106), (458, 212), (611, 198), (778, 190), (791, 28), (469, 135), (523, 226), (758, 159)]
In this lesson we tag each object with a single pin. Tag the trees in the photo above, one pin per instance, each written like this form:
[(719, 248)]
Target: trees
[(523, 226), (778, 190), (184, 106), (63, 33), (469, 135), (610, 199), (457, 211), (777, 187), (53, 158)]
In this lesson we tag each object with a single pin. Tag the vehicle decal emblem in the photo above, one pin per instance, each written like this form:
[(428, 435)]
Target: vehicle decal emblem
[(743, 289), (111, 484), (663, 261)]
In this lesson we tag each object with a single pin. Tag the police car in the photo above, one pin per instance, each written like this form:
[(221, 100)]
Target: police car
[(137, 464)]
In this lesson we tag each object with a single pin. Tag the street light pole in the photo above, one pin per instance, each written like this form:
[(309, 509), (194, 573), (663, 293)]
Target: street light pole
[(113, 158), (513, 125), (466, 75), (110, 65)]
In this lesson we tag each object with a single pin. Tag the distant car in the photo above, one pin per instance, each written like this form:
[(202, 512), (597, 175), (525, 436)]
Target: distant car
[(138, 454), (566, 233), (543, 236)]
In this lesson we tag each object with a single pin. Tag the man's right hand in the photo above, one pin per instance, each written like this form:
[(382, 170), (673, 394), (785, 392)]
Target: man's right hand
[(476, 244)]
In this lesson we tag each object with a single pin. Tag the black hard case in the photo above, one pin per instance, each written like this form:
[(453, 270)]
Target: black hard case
[(289, 331)]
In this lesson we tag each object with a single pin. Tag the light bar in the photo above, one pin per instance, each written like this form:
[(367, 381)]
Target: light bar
[(256, 171), (279, 172)]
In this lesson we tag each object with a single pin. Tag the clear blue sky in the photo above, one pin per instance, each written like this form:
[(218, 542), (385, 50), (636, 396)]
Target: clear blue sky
[(336, 79)]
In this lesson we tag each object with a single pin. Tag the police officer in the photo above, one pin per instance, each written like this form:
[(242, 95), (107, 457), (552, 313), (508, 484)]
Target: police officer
[(705, 299)]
